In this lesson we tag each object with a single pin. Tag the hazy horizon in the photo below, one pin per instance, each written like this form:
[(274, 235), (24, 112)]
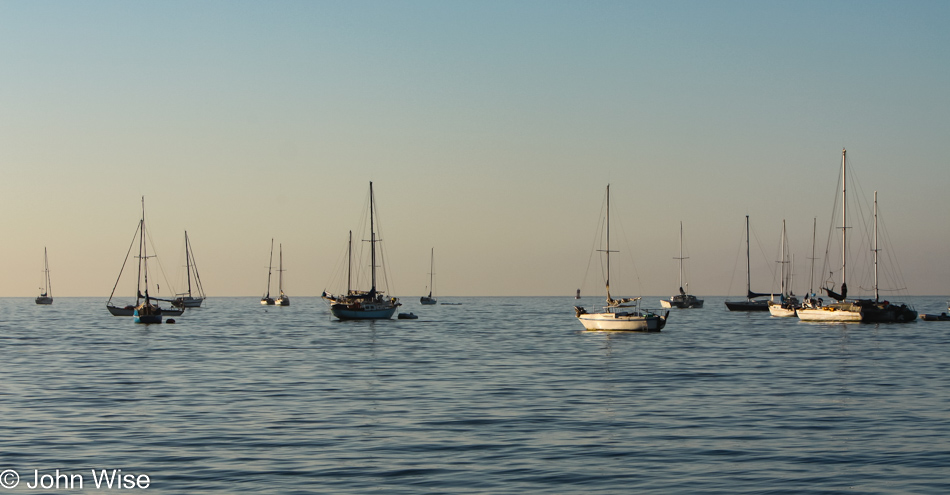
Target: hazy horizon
[(489, 130)]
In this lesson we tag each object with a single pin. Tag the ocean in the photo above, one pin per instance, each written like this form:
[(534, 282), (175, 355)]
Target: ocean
[(486, 395)]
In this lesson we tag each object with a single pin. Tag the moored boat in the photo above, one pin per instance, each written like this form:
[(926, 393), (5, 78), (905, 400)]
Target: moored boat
[(372, 304), (751, 303), (46, 296), (617, 315), (682, 300)]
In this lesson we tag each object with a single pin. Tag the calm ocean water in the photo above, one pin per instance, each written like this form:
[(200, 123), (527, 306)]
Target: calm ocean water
[(492, 395)]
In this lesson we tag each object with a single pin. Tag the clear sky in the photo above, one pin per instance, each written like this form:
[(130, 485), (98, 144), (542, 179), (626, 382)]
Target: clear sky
[(489, 129)]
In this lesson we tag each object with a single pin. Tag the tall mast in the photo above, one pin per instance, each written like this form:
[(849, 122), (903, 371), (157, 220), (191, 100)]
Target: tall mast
[(783, 262), (844, 222), (280, 271), (681, 258), (876, 291), (269, 265), (748, 266), (349, 265), (811, 281), (187, 264), (431, 262), (138, 280), (608, 242), (372, 243), (49, 288)]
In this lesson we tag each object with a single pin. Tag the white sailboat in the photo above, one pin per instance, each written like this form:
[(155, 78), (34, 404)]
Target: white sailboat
[(617, 315), (787, 305), (283, 299), (267, 300), (429, 299), (372, 304), (189, 299), (46, 296), (855, 310), (682, 300), (145, 309)]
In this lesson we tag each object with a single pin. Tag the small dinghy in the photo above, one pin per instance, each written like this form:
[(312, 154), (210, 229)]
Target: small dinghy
[(407, 316)]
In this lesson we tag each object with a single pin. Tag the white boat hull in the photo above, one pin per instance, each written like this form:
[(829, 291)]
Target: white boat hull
[(830, 314), (776, 309), (621, 322)]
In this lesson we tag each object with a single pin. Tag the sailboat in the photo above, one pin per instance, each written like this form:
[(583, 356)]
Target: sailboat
[(267, 300), (855, 310), (682, 300), (751, 303), (428, 299), (45, 297), (188, 299), (372, 304), (788, 304), (284, 299), (878, 311), (145, 310), (617, 315)]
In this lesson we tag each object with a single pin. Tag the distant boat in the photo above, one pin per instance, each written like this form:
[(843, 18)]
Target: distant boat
[(267, 300), (682, 300), (751, 303), (854, 310), (188, 299), (284, 299), (618, 315), (787, 305), (372, 304), (46, 296), (145, 309), (428, 299)]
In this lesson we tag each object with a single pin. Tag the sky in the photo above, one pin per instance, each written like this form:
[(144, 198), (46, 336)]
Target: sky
[(489, 129)]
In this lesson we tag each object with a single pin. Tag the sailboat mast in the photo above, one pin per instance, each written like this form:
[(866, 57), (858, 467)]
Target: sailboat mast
[(783, 262), (608, 243), (844, 220), (49, 288), (681, 254), (280, 271), (811, 280), (187, 264), (138, 280), (372, 242), (349, 265), (876, 291), (270, 265), (431, 262), (748, 265)]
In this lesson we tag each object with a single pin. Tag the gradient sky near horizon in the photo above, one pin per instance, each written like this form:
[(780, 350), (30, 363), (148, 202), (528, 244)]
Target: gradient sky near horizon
[(489, 129)]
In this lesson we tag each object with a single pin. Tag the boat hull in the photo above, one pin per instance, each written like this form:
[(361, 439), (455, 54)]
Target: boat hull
[(680, 302), (846, 313), (44, 300), (130, 311), (426, 300), (343, 312), (780, 310), (267, 301), (747, 305), (282, 301), (188, 302), (619, 322)]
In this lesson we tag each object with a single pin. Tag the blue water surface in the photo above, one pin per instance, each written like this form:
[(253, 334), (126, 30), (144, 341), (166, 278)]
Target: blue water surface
[(489, 395)]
